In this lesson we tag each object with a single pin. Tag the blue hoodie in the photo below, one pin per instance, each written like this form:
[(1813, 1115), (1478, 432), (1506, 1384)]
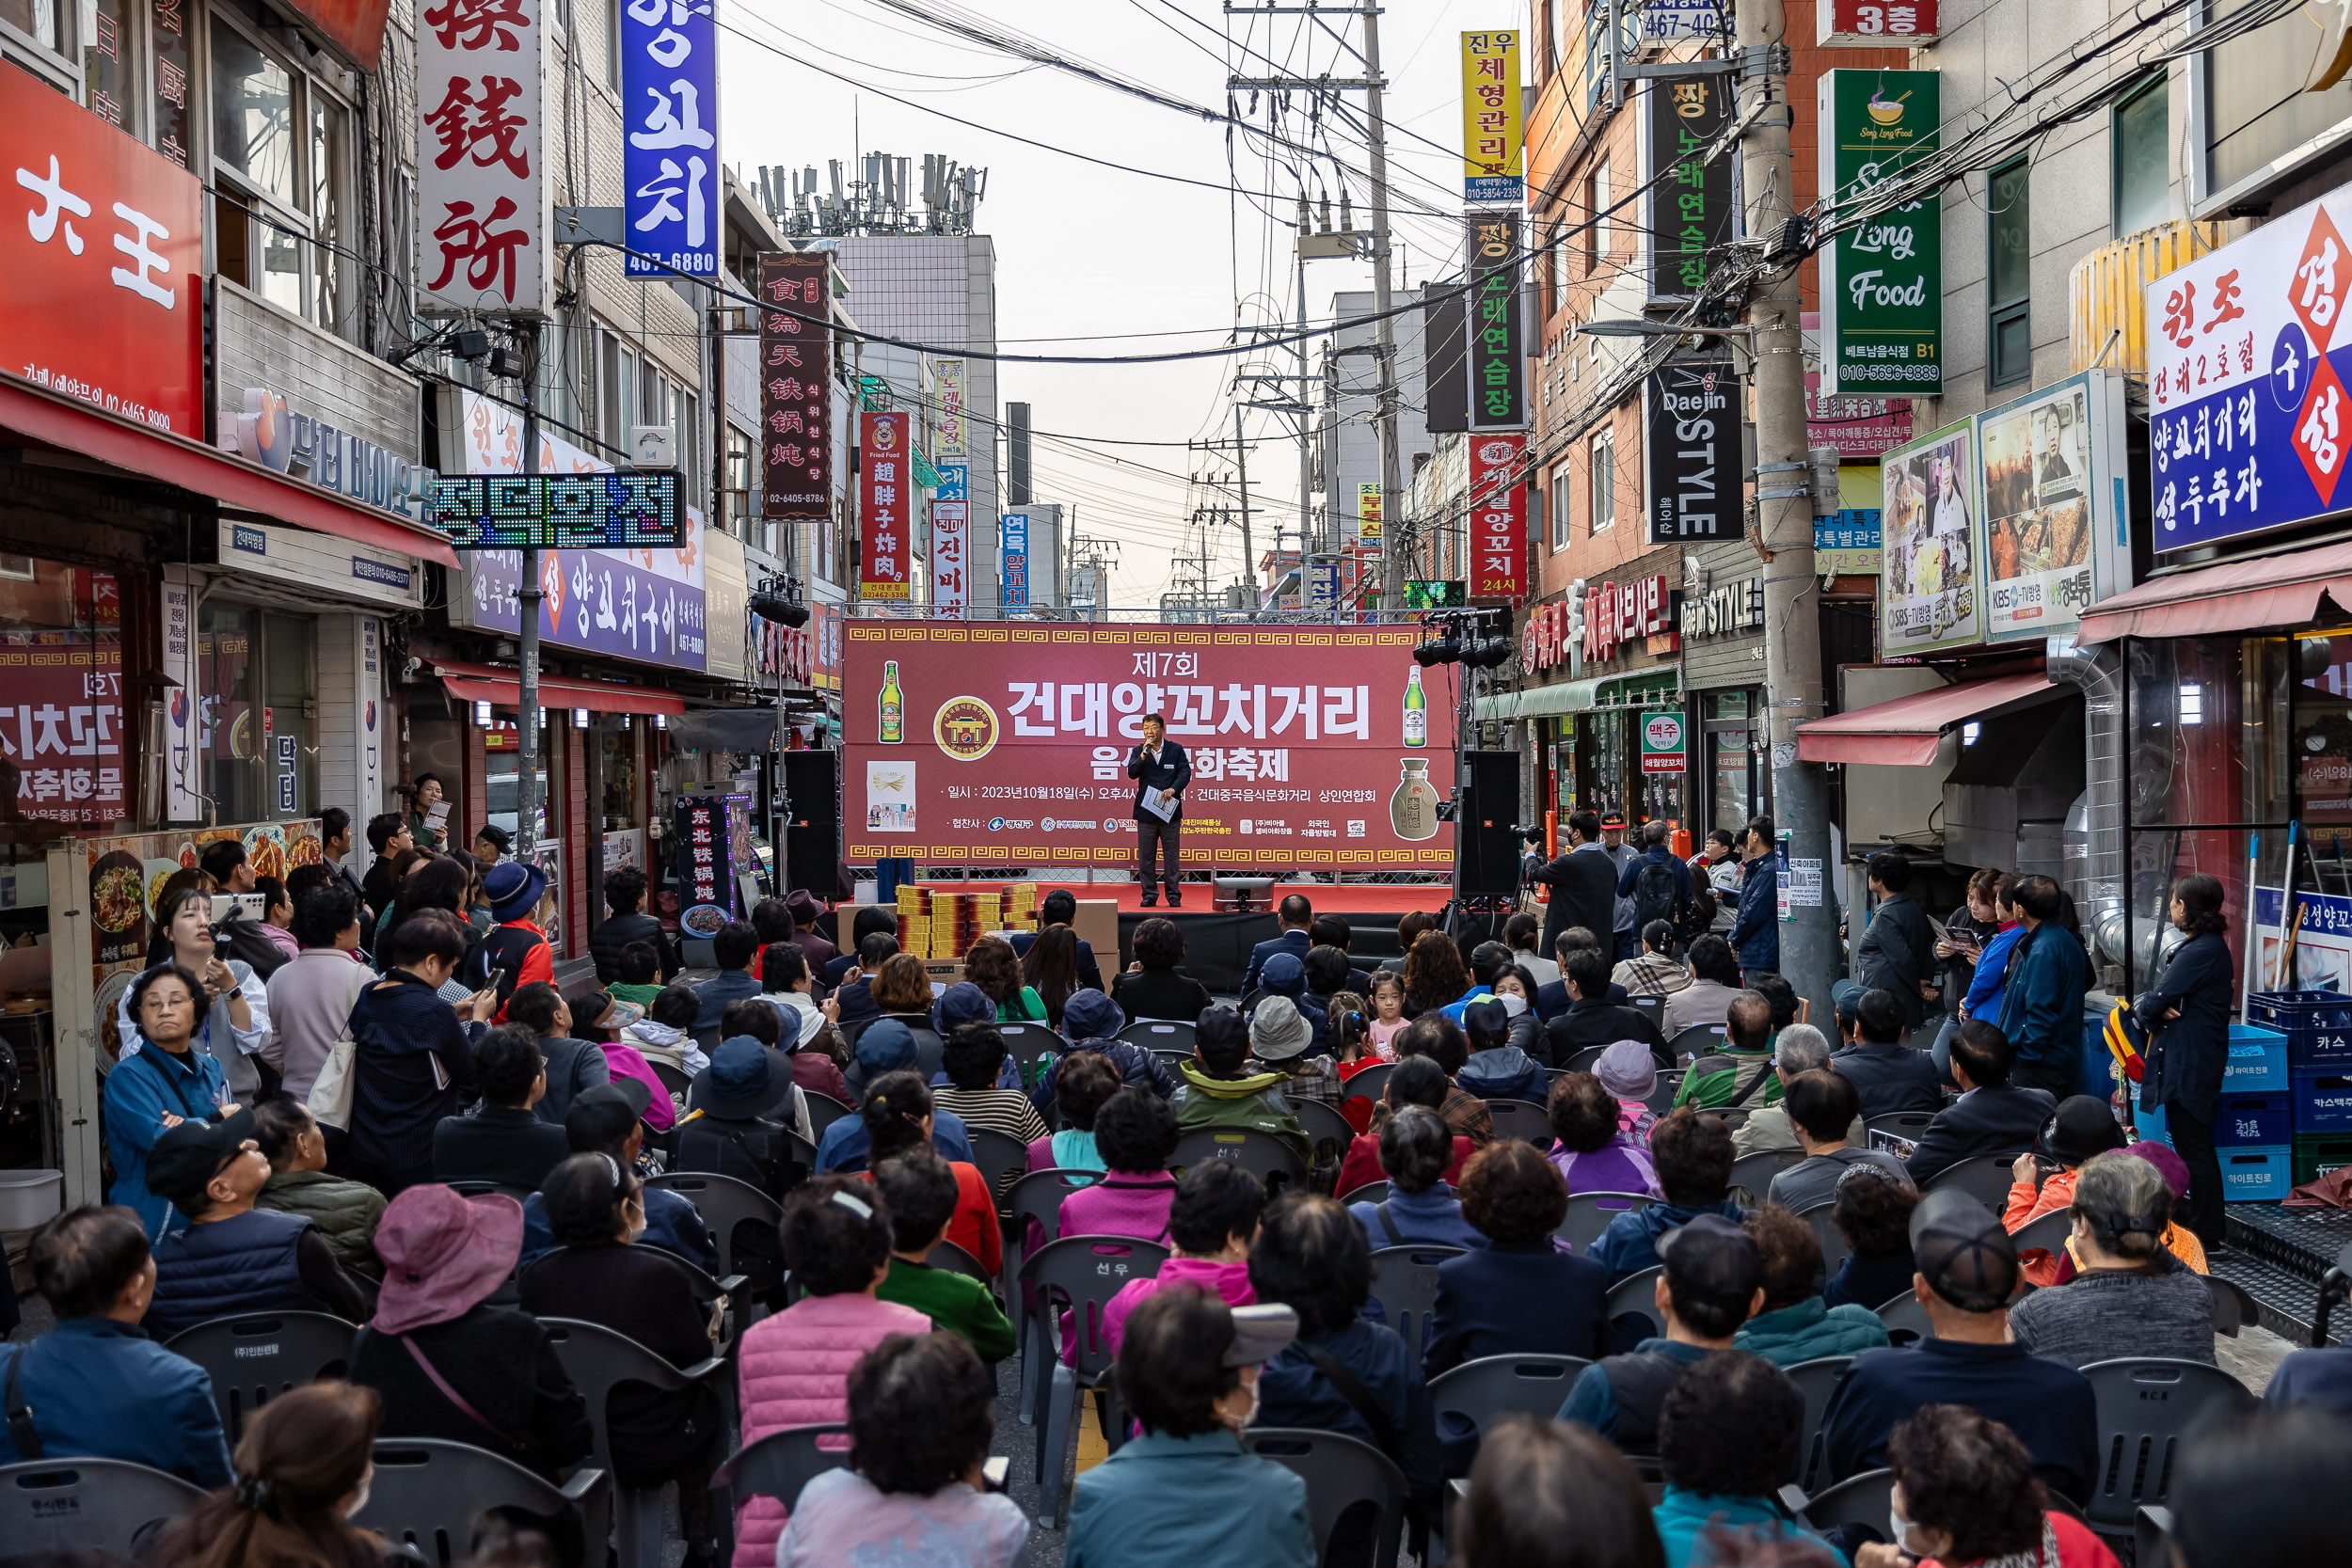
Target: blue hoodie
[(1631, 1242)]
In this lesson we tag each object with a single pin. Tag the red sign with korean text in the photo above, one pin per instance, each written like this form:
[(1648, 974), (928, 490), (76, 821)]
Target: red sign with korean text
[(61, 699), (1497, 516), (355, 28), (103, 255), (1881, 24), (886, 505), (796, 385), (1309, 746), (1621, 612)]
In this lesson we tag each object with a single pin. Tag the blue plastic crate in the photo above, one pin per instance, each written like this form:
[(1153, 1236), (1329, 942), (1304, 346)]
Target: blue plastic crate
[(2151, 1124), (2256, 1175), (2317, 1024), (2323, 1101), (2254, 1121), (2258, 1061)]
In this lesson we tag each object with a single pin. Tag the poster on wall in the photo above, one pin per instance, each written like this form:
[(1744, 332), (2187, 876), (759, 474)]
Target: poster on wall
[(1883, 281), (1930, 583), (1009, 743), (61, 714), (2055, 519)]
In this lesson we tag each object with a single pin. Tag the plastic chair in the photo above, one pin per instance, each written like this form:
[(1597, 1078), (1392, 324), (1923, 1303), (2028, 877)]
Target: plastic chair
[(2151, 1536), (1864, 1499), (427, 1491), (1834, 1249), (1817, 1380), (1341, 1473), (930, 1050), (947, 1255), (724, 1203), (79, 1505), (1903, 1124), (777, 1465), (671, 1079), (1636, 1297), (253, 1360), (1372, 1083), (1907, 1321), (1366, 1192), (1651, 1007), (1035, 1197), (2233, 1306), (1753, 1173), (1584, 1060), (1404, 1283), (1590, 1213), (1492, 1386), (1026, 1043), (1078, 1275), (1323, 1121), (1982, 1176), (1262, 1154), (2145, 1404), (823, 1110), (598, 1360), (1518, 1118), (1661, 1095), (1159, 1035), (2048, 1234), (484, 1189), (1696, 1041), (999, 1157)]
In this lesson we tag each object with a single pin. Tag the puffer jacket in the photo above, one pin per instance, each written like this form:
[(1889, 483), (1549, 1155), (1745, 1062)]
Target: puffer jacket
[(1631, 1242), (343, 1212), (1811, 1328), (1253, 1101), (1138, 1069), (1505, 1073), (793, 1369)]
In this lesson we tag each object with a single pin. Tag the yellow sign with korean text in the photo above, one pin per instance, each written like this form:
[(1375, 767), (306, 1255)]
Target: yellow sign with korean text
[(1494, 128), (1368, 512)]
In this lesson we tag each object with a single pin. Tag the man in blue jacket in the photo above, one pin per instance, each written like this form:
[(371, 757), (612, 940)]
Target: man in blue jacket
[(2042, 1001), (1294, 916), (1653, 898), (96, 1386), (1755, 930)]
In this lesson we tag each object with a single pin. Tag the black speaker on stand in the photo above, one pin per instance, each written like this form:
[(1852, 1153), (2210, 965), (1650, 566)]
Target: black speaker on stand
[(812, 837), (1484, 842)]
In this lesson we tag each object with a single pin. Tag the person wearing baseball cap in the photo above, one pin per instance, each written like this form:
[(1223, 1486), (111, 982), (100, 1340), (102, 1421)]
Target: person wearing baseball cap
[(2082, 1127), (1713, 1281), (610, 1119), (235, 1257), (1968, 1272)]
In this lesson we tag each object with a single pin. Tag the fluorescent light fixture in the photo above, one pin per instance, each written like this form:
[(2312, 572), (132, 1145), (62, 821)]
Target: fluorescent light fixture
[(482, 715), (579, 718)]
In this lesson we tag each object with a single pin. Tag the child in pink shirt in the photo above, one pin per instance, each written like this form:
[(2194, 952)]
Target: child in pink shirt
[(1211, 1222)]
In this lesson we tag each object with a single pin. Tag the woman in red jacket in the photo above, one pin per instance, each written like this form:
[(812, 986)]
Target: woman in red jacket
[(897, 1115)]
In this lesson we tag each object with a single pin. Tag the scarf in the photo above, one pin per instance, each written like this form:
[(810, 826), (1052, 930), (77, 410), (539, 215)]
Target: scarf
[(809, 1019), (1075, 1150), (2043, 1556)]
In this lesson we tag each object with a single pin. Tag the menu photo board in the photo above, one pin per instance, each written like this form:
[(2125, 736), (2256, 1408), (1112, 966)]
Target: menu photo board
[(703, 831), (1930, 589)]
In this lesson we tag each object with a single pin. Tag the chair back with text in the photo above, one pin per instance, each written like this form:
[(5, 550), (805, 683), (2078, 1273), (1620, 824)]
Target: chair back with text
[(1590, 1213), (70, 1506), (2146, 1405), (427, 1493), (1262, 1154), (253, 1360), (1404, 1283)]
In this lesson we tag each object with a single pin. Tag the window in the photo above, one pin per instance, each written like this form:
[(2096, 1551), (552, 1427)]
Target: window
[(2143, 176), (35, 18), (110, 63), (616, 392), (2008, 333), (279, 140), (1560, 515), (1603, 488), (1562, 15), (2248, 123)]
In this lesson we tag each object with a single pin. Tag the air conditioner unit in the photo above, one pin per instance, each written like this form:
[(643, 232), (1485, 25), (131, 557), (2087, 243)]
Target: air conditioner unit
[(652, 446)]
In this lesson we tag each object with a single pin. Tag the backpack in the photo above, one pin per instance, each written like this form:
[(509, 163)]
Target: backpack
[(1654, 894)]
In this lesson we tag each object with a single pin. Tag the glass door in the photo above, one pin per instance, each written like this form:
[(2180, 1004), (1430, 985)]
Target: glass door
[(289, 718), (225, 637)]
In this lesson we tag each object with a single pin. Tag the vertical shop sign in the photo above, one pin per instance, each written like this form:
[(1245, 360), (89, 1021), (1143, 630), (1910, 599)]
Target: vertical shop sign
[(1013, 549), (796, 385), (948, 420), (175, 62), (670, 110), (1692, 447), (481, 193), (1693, 212), (884, 503), (1661, 742), (366, 698), (706, 891), (1368, 512), (951, 539), (1494, 130), (1498, 518), (1881, 283), (183, 800), (1875, 24), (1498, 373)]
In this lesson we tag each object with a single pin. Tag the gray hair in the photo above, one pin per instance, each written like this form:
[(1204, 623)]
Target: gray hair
[(2124, 1201), (1801, 1048), (1655, 831), (1415, 1148)]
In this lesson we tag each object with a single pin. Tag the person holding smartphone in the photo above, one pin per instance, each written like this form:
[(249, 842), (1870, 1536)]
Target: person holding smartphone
[(234, 1023)]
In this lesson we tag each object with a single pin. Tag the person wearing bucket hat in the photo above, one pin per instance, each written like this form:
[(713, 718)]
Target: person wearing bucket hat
[(1091, 1021), (515, 951), (741, 1103), (1282, 1040), (2082, 1126), (447, 1363), (1629, 1071)]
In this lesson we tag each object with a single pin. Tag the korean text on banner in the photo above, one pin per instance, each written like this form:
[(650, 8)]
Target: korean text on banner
[(796, 385), (1368, 512), (1494, 130), (670, 112), (62, 702), (951, 539), (1854, 426), (482, 192), (1695, 409), (1690, 204), (2248, 366), (1011, 742), (1013, 551), (104, 258), (1930, 594), (886, 505), (1498, 518), (1875, 22), (1882, 283), (949, 434), (1497, 369)]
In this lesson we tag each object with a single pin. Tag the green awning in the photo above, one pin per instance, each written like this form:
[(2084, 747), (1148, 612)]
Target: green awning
[(1536, 701)]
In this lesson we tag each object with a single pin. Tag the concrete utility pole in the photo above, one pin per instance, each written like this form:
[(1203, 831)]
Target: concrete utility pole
[(527, 682), (1391, 477), (1241, 456), (1792, 632)]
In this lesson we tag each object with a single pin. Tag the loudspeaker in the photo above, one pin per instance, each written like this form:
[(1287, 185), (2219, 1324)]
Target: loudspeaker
[(812, 838), (1484, 846)]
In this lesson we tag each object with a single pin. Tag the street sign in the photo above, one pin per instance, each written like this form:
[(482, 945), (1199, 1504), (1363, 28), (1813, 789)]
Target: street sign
[(1661, 742), (638, 510)]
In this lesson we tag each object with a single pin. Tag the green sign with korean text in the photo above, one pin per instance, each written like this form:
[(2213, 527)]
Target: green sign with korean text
[(1882, 282)]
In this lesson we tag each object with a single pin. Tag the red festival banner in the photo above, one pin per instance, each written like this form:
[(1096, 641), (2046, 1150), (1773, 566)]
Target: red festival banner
[(796, 385), (1498, 518), (981, 743), (885, 503)]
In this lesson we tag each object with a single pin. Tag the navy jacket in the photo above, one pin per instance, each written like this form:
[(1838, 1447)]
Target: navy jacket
[(2042, 1001), (399, 1029), (1889, 1077), (497, 1142), (104, 1390), (1590, 1024), (1551, 999), (1755, 930), (1294, 942), (1658, 854), (2187, 1056), (672, 1223), (244, 1264), (728, 985), (2048, 1404), (1989, 1120), (1293, 1392), (1517, 1299), (1172, 771)]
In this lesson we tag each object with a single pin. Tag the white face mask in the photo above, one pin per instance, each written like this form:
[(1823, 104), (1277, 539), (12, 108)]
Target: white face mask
[(1513, 1003), (636, 1215), (1252, 1413), (1898, 1531)]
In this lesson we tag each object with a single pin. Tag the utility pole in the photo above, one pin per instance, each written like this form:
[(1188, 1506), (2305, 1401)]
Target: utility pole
[(1792, 632), (1241, 456), (1392, 479), (527, 684)]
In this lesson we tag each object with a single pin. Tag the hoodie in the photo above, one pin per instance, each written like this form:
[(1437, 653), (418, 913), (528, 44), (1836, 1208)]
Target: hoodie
[(1808, 1329), (799, 1011), (1505, 1073), (1253, 1101), (1228, 1280), (1631, 1242), (671, 1046)]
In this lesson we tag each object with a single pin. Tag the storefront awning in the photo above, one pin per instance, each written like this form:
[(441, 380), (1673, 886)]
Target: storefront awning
[(1536, 701), (1904, 733), (484, 682), (2237, 597), (50, 420)]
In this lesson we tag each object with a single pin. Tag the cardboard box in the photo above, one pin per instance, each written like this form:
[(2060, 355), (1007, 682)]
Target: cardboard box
[(1097, 924)]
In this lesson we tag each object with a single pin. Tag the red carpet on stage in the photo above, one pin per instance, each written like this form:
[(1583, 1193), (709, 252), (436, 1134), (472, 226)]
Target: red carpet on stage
[(1387, 899)]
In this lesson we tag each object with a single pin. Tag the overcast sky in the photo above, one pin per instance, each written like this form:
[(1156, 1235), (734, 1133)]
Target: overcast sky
[(1088, 257)]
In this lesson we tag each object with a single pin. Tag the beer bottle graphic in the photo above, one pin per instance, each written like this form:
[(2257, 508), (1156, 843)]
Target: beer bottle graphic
[(1415, 710), (893, 706)]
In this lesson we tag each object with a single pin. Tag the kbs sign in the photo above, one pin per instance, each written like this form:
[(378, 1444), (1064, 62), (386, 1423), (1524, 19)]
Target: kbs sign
[(103, 251), (886, 502), (1310, 746), (1498, 518), (1875, 22)]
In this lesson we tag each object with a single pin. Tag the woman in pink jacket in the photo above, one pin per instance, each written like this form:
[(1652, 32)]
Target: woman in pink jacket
[(1135, 1132), (1213, 1221), (794, 1368)]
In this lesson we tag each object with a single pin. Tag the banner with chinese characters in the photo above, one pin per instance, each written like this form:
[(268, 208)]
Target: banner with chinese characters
[(1497, 516), (1692, 210), (2249, 422), (1881, 283), (1368, 512), (1876, 24), (796, 385), (949, 431), (1930, 586), (670, 115), (951, 539), (1693, 411), (482, 192), (1854, 426), (1309, 746), (1496, 362), (104, 252), (2055, 538), (1494, 128), (886, 505)]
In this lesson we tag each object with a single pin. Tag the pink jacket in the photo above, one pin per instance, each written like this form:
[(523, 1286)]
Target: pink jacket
[(1230, 1280), (794, 1370), (627, 1061), (1124, 1203)]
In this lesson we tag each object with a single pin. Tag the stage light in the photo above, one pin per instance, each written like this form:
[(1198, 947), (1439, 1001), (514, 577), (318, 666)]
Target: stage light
[(1485, 653), (1446, 650)]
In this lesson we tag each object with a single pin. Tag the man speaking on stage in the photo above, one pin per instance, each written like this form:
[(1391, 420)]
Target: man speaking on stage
[(1161, 770)]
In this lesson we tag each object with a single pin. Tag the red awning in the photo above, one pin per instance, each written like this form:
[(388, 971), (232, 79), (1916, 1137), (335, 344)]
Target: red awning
[(1903, 733), (2239, 596), (484, 682), (75, 427)]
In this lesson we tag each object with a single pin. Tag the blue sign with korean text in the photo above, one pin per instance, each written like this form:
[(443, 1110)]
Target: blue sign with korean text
[(670, 114), (601, 601), (1013, 549)]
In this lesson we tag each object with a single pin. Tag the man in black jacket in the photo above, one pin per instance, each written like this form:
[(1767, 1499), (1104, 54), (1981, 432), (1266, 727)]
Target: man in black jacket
[(1887, 1073), (1294, 918), (871, 919), (502, 1140), (624, 894), (1161, 770), (1897, 953), (1584, 884), (1591, 1019), (856, 995), (1992, 1116)]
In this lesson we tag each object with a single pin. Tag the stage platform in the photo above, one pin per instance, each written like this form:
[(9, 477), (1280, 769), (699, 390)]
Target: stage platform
[(1374, 900)]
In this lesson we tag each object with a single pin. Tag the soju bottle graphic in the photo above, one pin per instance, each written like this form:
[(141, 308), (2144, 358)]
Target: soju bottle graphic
[(1415, 710), (893, 706)]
